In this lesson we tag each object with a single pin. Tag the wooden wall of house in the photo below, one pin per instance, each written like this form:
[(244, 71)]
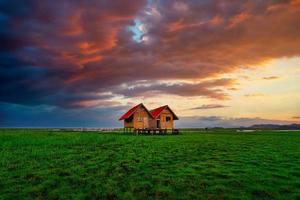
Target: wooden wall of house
[(128, 123), (164, 124), (152, 123), (141, 118)]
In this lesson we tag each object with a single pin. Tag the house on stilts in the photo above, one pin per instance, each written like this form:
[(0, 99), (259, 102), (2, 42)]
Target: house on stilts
[(140, 120)]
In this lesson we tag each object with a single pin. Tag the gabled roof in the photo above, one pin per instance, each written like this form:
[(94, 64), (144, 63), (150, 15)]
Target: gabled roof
[(132, 110), (156, 112)]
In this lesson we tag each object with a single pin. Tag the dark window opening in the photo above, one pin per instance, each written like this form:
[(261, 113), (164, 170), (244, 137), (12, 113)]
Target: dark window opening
[(168, 119), (130, 119), (157, 123)]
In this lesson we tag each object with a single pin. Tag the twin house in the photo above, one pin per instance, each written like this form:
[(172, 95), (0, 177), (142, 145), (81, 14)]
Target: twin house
[(139, 117)]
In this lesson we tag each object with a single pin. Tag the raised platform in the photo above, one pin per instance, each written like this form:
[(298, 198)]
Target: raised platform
[(155, 131)]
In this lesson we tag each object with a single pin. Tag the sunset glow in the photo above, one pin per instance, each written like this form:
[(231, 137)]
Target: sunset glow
[(83, 63)]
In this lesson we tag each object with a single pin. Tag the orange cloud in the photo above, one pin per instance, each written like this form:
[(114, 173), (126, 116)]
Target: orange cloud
[(211, 89), (235, 20), (88, 47)]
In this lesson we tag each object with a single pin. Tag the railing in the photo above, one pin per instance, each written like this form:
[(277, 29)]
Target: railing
[(155, 131)]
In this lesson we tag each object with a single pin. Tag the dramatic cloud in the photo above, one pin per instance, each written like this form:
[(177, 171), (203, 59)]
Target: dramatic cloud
[(209, 106), (45, 44), (205, 88), (81, 54), (55, 49)]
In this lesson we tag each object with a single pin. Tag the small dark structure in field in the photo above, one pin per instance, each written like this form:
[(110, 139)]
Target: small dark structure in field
[(158, 120)]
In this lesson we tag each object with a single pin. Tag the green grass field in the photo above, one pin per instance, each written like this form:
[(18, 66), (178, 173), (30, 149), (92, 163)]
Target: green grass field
[(36, 164)]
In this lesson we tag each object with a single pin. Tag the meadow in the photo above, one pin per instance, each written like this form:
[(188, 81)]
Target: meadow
[(224, 164)]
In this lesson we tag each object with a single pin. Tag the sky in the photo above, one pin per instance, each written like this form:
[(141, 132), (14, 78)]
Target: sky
[(75, 63)]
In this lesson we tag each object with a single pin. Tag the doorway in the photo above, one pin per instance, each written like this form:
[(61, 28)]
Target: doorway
[(157, 123)]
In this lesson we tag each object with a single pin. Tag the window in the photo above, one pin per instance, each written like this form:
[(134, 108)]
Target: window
[(168, 119), (129, 120)]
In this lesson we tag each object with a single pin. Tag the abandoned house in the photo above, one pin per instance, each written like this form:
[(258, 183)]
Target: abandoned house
[(163, 117), (138, 117)]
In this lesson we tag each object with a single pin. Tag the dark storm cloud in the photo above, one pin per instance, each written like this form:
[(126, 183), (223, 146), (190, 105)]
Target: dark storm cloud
[(79, 53), (44, 44)]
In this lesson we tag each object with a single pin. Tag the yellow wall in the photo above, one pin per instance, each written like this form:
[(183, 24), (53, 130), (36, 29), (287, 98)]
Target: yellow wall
[(163, 123), (128, 124), (141, 118)]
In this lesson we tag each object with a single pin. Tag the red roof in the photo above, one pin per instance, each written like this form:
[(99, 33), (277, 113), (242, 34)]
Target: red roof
[(130, 112), (153, 113), (156, 112)]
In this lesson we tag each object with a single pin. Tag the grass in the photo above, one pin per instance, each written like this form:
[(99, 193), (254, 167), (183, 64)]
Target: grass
[(37, 164)]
